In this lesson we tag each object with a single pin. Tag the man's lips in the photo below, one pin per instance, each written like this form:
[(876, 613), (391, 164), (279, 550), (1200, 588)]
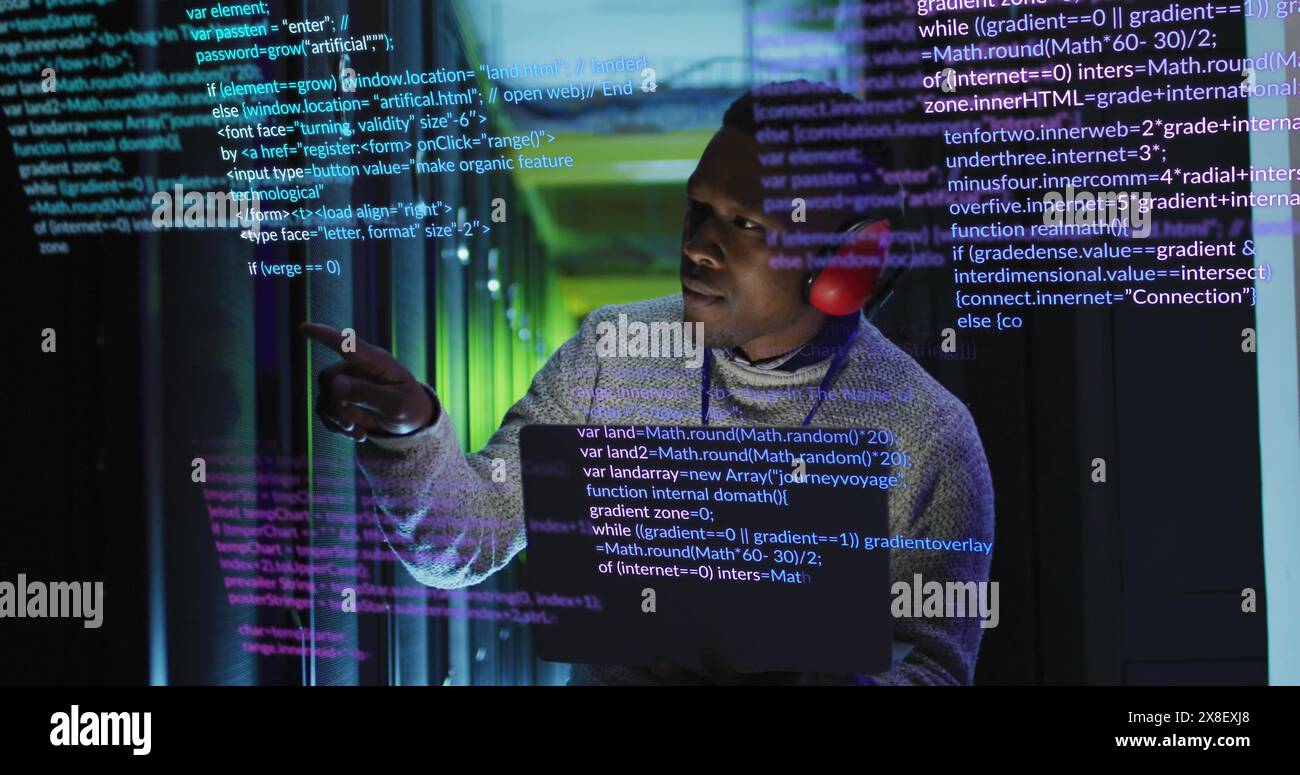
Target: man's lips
[(698, 291)]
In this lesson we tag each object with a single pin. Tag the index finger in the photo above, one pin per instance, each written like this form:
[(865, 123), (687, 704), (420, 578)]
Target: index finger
[(361, 356)]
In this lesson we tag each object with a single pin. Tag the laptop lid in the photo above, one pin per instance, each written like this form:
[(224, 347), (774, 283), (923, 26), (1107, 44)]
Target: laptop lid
[(651, 543)]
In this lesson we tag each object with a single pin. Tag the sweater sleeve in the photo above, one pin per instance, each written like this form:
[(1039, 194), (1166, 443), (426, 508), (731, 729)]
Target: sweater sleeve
[(454, 518), (954, 502)]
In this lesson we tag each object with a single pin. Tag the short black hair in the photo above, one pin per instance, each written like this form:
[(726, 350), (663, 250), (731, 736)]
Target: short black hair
[(819, 127)]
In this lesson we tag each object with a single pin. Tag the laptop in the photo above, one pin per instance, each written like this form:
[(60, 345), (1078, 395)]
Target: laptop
[(650, 544)]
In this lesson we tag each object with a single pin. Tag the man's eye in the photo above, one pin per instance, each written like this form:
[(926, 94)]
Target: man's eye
[(748, 225)]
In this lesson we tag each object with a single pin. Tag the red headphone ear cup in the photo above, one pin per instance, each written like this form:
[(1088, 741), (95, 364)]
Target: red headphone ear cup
[(848, 279)]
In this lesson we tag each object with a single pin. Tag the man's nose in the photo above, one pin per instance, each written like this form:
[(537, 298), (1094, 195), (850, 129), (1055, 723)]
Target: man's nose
[(701, 248)]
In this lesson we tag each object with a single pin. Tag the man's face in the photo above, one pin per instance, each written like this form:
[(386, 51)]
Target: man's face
[(728, 281)]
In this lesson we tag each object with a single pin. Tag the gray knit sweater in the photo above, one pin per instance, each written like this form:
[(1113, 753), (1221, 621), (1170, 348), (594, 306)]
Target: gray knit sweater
[(453, 526)]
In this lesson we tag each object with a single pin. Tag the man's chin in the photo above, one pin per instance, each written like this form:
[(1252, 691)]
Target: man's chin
[(715, 333), (712, 324)]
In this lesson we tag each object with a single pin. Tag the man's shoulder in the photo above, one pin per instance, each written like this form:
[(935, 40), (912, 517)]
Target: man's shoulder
[(594, 346), (936, 430), (929, 406), (632, 334)]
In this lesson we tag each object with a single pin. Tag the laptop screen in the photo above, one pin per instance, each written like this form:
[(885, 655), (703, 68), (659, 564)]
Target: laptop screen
[(765, 546)]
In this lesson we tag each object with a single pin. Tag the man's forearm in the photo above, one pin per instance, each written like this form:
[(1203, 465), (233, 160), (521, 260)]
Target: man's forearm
[(448, 522)]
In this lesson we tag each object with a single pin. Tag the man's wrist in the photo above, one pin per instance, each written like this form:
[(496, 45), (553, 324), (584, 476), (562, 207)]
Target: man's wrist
[(437, 406), (434, 413)]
